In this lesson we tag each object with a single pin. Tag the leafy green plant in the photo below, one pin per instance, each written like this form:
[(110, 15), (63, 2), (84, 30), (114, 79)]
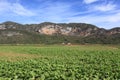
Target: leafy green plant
[(60, 63)]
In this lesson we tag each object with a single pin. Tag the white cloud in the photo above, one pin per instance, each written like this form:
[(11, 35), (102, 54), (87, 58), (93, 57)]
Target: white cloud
[(14, 8), (96, 18), (114, 18), (20, 10), (105, 7), (102, 14), (55, 12), (4, 6), (89, 1), (99, 20)]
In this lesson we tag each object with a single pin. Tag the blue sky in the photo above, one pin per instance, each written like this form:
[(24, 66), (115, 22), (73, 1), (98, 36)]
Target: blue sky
[(102, 13)]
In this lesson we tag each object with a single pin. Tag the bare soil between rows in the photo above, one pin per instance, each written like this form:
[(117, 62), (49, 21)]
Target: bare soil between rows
[(17, 56)]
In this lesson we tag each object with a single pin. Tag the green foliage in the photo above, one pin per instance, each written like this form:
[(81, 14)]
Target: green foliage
[(84, 62), (81, 33)]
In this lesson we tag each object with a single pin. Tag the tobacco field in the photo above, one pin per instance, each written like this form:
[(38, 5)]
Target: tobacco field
[(59, 62)]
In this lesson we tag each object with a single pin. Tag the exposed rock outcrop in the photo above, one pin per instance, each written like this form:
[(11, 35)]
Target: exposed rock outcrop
[(81, 32), (71, 29)]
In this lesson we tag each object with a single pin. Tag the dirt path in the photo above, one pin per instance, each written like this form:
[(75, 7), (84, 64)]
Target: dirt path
[(17, 56)]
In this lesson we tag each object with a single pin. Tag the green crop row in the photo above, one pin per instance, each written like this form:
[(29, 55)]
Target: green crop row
[(62, 63)]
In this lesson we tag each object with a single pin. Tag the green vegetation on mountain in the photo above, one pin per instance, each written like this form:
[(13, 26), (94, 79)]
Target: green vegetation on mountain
[(54, 33)]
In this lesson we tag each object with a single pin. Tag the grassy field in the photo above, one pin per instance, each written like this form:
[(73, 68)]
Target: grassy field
[(47, 62)]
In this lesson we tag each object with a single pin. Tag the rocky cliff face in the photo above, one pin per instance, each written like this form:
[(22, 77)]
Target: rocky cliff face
[(71, 29), (52, 33), (68, 30)]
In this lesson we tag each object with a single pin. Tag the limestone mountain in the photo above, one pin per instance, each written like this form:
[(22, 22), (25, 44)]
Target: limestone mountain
[(47, 32)]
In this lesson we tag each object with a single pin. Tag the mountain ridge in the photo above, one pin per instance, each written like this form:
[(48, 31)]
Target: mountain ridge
[(82, 32), (12, 22)]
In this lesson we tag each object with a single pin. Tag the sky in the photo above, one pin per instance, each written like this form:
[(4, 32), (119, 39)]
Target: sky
[(102, 13)]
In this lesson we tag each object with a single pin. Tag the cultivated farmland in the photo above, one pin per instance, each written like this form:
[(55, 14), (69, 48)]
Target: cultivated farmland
[(59, 62)]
